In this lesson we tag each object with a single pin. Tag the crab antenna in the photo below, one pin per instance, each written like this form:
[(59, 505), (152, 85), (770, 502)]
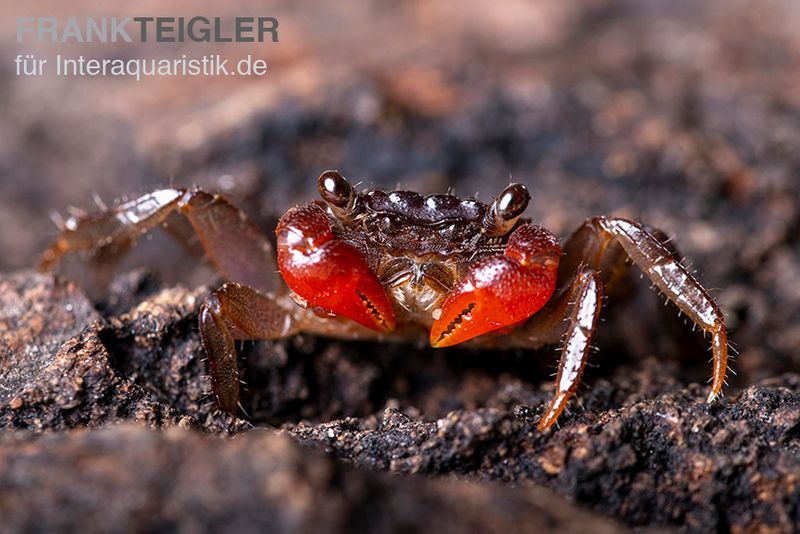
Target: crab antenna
[(506, 209)]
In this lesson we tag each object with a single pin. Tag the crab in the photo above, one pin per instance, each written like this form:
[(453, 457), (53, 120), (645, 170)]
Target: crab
[(397, 266)]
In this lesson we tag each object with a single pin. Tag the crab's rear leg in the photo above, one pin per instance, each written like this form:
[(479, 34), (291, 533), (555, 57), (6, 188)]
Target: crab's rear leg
[(236, 311), (603, 243), (236, 247), (231, 241)]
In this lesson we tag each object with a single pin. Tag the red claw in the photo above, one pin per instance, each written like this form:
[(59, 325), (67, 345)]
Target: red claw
[(329, 273), (500, 291)]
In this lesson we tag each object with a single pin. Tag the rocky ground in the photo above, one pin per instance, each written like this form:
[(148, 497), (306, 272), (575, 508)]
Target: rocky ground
[(685, 115), (640, 446)]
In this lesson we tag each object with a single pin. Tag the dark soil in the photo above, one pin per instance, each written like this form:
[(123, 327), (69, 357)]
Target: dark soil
[(684, 114)]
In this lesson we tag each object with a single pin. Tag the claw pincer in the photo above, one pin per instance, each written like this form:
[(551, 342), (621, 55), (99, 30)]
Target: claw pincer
[(329, 273), (500, 291)]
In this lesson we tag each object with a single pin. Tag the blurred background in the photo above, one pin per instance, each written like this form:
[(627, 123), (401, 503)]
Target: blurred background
[(683, 114)]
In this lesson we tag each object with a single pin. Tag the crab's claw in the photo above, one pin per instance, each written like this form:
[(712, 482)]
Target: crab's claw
[(329, 273), (500, 291)]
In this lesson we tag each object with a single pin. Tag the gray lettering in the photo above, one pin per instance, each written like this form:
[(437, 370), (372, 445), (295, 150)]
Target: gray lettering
[(118, 30), (244, 25), (48, 25), (93, 30), (163, 28), (218, 38), (143, 27), (22, 27), (201, 35), (72, 30), (267, 25)]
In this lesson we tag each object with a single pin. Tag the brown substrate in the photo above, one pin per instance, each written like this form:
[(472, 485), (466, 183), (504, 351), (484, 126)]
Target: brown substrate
[(639, 446)]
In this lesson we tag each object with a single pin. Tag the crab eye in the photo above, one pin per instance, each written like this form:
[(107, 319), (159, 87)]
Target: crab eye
[(507, 208), (336, 191)]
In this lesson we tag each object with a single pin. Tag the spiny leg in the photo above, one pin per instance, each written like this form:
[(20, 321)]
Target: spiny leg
[(580, 304), (237, 248), (111, 228), (236, 311), (233, 243), (605, 243)]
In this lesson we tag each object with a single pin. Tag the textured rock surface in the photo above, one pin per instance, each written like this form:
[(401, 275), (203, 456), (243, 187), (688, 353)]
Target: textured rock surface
[(127, 478), (668, 459), (640, 446)]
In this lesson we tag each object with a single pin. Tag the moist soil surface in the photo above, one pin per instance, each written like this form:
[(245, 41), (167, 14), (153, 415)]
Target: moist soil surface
[(684, 115)]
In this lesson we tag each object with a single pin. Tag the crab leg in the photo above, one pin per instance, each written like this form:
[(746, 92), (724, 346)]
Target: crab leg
[(236, 247), (603, 243), (581, 304), (237, 311), (570, 316)]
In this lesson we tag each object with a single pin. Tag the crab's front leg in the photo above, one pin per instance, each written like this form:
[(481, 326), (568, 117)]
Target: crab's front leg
[(328, 274), (580, 304), (500, 291), (236, 311)]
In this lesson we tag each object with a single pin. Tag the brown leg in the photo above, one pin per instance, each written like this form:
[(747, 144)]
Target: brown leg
[(604, 244), (236, 247), (236, 311)]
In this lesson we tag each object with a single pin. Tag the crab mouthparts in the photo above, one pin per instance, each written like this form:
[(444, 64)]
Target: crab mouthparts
[(455, 324)]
